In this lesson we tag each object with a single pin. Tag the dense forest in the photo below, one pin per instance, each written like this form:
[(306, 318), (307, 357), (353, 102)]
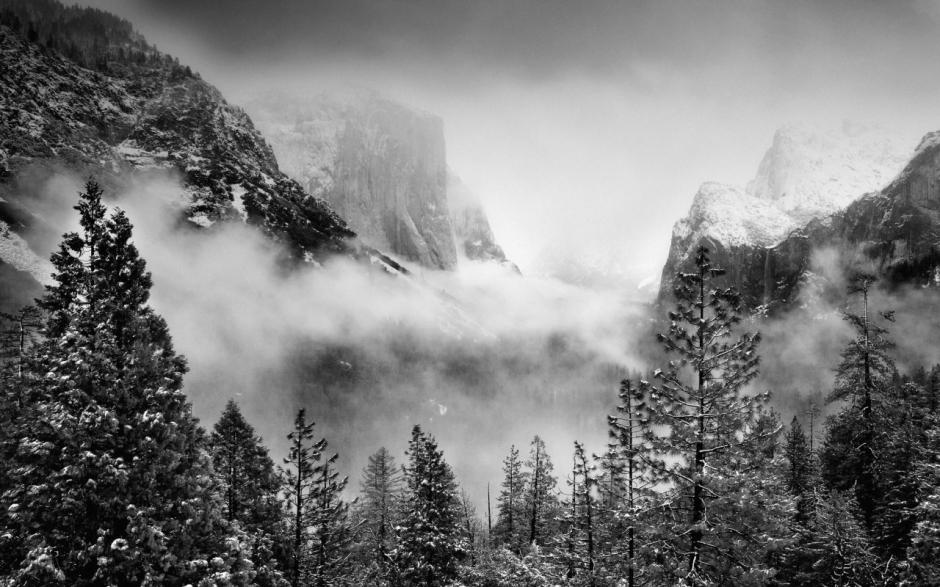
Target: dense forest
[(106, 478)]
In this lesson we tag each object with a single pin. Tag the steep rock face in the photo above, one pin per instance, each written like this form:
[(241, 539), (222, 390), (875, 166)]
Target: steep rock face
[(474, 236), (136, 110), (764, 235), (381, 165)]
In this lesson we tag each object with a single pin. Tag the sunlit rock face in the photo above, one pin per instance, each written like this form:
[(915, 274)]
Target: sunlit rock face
[(380, 165), (815, 190)]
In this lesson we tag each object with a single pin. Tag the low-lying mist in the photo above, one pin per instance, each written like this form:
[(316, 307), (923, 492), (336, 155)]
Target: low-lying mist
[(481, 357)]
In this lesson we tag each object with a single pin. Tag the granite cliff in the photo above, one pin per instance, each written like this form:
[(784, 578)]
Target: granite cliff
[(383, 167)]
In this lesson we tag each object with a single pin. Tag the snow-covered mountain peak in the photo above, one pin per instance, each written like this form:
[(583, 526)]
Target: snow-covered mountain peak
[(811, 172), (729, 216)]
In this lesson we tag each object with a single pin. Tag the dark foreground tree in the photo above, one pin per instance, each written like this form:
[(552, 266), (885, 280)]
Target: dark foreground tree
[(111, 483), (330, 530), (541, 503), (299, 478), (864, 379), (376, 512), (250, 487), (511, 519), (705, 433), (430, 541)]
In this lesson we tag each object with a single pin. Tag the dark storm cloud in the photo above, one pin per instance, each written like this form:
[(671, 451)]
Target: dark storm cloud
[(533, 37)]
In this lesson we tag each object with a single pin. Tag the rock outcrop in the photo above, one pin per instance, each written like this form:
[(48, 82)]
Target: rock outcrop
[(85, 94)]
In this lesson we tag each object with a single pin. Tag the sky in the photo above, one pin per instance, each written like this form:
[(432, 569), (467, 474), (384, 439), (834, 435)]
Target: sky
[(580, 125)]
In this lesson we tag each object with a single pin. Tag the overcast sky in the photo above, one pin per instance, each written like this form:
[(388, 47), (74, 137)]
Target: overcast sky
[(576, 121)]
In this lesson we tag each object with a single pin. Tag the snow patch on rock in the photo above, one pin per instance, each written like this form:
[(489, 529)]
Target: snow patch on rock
[(14, 251)]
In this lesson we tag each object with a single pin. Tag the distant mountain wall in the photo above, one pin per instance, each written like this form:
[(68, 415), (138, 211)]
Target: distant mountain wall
[(383, 167)]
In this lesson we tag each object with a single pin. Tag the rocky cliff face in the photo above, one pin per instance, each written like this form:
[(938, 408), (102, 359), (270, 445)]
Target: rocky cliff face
[(764, 234), (380, 165), (475, 239), (99, 100), (383, 167)]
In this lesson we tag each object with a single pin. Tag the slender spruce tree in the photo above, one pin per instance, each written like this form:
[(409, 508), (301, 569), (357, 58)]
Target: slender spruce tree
[(511, 527), (541, 503), (330, 531), (380, 489), (299, 489)]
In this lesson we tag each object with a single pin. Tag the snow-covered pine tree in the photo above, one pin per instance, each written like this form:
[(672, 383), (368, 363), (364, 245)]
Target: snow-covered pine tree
[(801, 475), (864, 376), (924, 551), (541, 503), (511, 527), (299, 489), (330, 529), (111, 484), (583, 488), (626, 491), (709, 424), (430, 539), (380, 489), (250, 487)]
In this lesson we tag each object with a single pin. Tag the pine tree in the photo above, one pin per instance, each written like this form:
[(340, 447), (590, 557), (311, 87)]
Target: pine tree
[(801, 472), (380, 489), (111, 483), (582, 520), (924, 551), (430, 543), (628, 486), (299, 479), (250, 487), (864, 375), (540, 500), (709, 421), (833, 549), (331, 533), (511, 527)]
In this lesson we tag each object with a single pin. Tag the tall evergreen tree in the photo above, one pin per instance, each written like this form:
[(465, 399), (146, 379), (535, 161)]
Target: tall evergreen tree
[(541, 503), (924, 550), (330, 530), (801, 472), (430, 541), (581, 521), (629, 487), (380, 489), (250, 487), (511, 527), (112, 484), (300, 480), (709, 421), (865, 374)]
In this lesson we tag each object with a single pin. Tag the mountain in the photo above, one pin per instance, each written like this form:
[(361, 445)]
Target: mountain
[(475, 238), (84, 94), (803, 184), (383, 167)]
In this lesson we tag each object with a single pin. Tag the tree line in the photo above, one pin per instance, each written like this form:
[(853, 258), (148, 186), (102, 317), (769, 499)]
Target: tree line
[(106, 478)]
